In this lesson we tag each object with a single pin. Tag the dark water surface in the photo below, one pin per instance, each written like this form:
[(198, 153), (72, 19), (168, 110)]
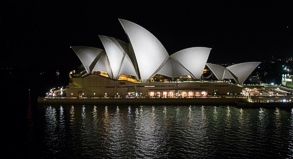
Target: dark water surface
[(188, 131)]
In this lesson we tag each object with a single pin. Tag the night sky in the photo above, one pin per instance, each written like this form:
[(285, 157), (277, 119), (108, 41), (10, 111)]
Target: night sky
[(40, 34)]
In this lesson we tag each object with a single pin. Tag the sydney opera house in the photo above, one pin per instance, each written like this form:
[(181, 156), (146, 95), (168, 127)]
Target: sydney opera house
[(143, 68)]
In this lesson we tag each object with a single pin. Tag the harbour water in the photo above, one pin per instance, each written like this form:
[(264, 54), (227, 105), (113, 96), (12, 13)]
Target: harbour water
[(145, 131)]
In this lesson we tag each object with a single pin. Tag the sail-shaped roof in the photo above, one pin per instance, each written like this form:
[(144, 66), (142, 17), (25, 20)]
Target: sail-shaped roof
[(243, 70), (149, 52), (118, 58), (172, 69), (193, 59), (220, 72), (87, 55), (102, 63)]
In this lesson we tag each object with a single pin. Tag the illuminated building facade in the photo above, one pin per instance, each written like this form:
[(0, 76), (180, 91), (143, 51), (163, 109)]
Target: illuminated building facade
[(143, 67)]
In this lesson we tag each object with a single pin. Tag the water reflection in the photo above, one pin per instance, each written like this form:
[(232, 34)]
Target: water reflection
[(51, 137), (215, 113), (228, 118), (72, 115), (95, 116), (167, 131), (145, 133)]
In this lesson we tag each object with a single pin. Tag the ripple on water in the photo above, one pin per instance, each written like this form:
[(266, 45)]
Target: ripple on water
[(88, 131)]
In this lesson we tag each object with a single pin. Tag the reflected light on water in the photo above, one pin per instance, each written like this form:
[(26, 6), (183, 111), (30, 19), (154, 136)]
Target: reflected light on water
[(95, 117), (153, 112), (189, 114), (83, 113), (146, 132), (215, 113), (72, 114), (228, 112), (228, 118), (240, 119), (167, 131), (61, 117)]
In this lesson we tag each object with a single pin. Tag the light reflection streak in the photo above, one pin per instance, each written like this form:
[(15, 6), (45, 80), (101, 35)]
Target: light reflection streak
[(277, 117), (240, 119), (177, 111), (145, 132), (51, 119), (189, 114), (153, 112), (203, 115), (291, 133), (61, 119), (261, 114), (203, 122), (215, 113), (72, 114), (165, 113), (129, 112), (95, 116), (141, 110), (261, 120), (136, 112), (228, 117), (116, 134), (278, 122), (106, 120), (228, 112), (83, 113)]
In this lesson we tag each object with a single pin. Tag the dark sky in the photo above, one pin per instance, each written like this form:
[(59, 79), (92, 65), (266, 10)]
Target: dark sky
[(40, 34)]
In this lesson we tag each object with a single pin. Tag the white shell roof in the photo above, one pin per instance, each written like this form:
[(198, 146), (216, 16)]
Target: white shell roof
[(145, 56), (102, 64), (243, 70), (118, 58), (228, 75), (87, 55), (149, 52), (172, 69), (193, 59), (220, 72)]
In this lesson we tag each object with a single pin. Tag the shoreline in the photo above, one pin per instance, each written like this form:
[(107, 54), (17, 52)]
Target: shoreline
[(237, 102), (144, 101)]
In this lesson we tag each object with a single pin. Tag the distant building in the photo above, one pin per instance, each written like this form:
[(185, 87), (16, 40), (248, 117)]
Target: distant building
[(143, 67)]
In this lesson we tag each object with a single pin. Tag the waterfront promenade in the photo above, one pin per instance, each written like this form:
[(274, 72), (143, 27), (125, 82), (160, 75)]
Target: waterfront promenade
[(242, 101), (144, 101)]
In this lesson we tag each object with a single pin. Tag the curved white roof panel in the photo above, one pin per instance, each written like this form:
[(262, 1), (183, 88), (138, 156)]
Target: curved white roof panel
[(167, 69), (116, 51), (149, 52), (127, 67), (193, 59), (102, 64), (243, 70), (87, 55), (227, 75), (173, 69), (220, 72)]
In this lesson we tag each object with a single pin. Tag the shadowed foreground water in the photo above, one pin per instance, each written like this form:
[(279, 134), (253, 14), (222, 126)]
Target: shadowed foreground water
[(89, 131)]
